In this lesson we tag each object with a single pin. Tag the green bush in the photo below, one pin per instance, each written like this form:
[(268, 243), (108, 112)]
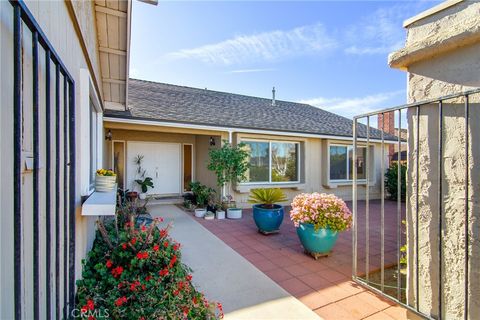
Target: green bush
[(135, 272), (391, 184)]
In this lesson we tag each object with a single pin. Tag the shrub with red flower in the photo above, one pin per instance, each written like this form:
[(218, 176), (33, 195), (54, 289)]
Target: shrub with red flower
[(136, 272)]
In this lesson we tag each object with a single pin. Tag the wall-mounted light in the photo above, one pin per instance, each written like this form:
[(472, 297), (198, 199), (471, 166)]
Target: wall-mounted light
[(108, 136), (212, 141)]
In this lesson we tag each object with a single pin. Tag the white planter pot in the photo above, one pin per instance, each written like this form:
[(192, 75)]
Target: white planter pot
[(200, 213), (142, 196), (234, 213), (220, 214), (105, 183)]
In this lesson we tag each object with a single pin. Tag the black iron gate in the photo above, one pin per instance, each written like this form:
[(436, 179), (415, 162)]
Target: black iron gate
[(57, 174)]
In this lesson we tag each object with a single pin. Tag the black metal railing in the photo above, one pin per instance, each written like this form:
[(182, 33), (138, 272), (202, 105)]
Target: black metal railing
[(59, 208), (395, 290)]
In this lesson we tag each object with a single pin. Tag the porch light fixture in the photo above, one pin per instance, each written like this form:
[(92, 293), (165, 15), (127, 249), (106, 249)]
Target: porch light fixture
[(212, 141), (108, 136)]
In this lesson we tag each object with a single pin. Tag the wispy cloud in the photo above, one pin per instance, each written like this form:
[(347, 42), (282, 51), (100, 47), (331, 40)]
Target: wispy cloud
[(267, 46), (350, 106), (252, 70), (380, 32)]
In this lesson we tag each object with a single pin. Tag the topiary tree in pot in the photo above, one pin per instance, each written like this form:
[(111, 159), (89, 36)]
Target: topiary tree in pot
[(229, 163)]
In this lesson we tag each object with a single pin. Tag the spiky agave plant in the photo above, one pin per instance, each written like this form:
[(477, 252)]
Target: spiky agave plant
[(267, 196)]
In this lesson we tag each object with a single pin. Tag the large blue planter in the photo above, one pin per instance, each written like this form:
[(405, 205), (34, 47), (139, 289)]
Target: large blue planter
[(268, 220), (316, 242)]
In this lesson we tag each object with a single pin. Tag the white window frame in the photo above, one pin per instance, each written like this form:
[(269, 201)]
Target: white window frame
[(270, 182), (87, 94), (349, 148)]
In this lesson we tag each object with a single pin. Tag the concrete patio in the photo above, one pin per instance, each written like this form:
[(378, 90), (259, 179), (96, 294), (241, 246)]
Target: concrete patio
[(325, 285)]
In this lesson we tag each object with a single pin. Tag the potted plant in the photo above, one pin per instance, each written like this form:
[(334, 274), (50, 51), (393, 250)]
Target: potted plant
[(209, 215), (267, 214), (229, 163), (201, 194), (144, 185), (105, 180), (318, 219)]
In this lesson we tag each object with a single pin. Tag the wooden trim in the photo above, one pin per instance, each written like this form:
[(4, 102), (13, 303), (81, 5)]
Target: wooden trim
[(117, 81), (76, 25), (111, 12), (113, 51)]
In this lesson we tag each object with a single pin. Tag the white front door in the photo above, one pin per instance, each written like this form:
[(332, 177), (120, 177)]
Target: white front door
[(161, 161)]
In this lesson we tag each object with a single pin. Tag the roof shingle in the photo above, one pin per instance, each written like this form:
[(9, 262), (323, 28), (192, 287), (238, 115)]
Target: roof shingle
[(171, 103)]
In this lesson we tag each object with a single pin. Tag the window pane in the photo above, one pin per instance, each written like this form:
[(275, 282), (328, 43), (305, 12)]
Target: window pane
[(361, 156), (259, 153), (284, 162), (338, 163)]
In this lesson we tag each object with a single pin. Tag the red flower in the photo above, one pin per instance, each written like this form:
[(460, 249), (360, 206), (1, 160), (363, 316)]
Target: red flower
[(143, 228), (156, 247), (117, 272), (165, 244), (109, 263), (91, 318), (176, 246), (173, 260), (176, 292), (120, 301), (163, 272), (147, 278), (163, 233), (133, 241), (90, 304), (188, 277), (134, 285), (159, 219), (124, 246), (127, 224), (194, 300), (143, 287), (142, 255), (84, 309)]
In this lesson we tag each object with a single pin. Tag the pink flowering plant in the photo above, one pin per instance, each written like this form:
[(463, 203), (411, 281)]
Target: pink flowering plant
[(322, 210)]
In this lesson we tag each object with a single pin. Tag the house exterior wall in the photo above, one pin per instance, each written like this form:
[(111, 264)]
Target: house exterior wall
[(314, 170), (314, 163), (56, 20), (449, 65)]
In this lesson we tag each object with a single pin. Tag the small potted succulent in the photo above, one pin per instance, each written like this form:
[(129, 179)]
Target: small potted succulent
[(267, 214), (144, 185), (319, 218), (105, 180), (209, 215)]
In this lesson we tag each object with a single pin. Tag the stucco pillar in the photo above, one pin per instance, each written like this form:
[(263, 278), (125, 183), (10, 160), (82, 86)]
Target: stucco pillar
[(452, 202)]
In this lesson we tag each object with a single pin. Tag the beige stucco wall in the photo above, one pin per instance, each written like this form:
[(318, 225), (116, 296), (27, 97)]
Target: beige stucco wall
[(200, 144), (313, 155), (444, 72), (55, 19), (314, 170)]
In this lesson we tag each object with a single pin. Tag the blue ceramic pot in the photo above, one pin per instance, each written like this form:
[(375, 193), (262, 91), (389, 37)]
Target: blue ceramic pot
[(268, 220), (320, 241)]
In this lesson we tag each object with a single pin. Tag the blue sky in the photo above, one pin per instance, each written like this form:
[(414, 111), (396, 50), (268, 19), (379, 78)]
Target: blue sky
[(332, 54)]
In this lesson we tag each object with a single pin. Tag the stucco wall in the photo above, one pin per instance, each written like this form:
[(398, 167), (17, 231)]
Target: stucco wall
[(56, 21), (441, 74)]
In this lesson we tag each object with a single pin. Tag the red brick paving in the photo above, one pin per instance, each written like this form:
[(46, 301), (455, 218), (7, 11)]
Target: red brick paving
[(324, 285)]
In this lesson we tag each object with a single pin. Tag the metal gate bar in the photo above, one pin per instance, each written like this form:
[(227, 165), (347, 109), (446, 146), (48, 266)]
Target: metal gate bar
[(22, 17), (440, 102)]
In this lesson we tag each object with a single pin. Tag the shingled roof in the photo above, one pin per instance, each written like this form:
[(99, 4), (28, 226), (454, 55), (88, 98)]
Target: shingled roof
[(171, 103)]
